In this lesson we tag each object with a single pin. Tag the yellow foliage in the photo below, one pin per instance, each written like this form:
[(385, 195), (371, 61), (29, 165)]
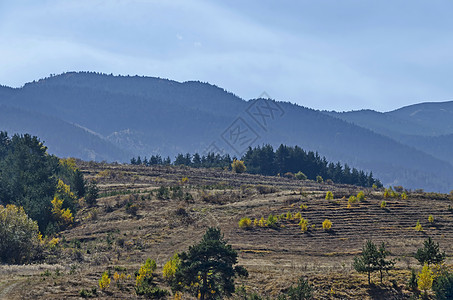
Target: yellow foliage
[(245, 223), (418, 227), (303, 206), (145, 272), (104, 282), (289, 216), (184, 180), (326, 225), (298, 216), (255, 222), (238, 166), (262, 222), (69, 162), (404, 196), (386, 193), (177, 296), (383, 204), (361, 196), (430, 219), (425, 278), (54, 242), (170, 267), (303, 225), (329, 195), (63, 216)]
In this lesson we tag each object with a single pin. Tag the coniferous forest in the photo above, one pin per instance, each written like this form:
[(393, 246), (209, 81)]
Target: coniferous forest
[(263, 160)]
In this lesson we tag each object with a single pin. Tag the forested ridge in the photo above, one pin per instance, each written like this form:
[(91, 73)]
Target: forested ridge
[(284, 161)]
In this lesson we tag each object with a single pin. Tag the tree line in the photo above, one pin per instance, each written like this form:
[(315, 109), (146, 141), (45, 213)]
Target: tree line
[(264, 160)]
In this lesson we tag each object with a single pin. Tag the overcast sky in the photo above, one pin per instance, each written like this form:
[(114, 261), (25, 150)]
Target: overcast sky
[(323, 54)]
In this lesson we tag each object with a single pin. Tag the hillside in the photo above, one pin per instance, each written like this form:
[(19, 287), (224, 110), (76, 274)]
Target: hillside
[(145, 116), (109, 236)]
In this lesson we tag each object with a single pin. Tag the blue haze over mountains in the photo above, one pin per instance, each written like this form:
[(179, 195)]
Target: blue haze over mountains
[(103, 117)]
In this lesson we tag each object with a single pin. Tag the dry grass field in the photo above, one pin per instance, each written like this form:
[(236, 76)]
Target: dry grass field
[(130, 224)]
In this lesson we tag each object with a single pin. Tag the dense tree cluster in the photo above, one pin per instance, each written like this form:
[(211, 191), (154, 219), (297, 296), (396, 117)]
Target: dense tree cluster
[(32, 179), (265, 161)]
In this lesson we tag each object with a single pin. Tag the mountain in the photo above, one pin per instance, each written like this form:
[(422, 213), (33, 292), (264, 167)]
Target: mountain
[(116, 117)]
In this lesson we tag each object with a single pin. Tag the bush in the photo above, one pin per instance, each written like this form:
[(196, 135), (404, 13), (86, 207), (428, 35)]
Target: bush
[(329, 195), (383, 204), (319, 179), (163, 193), (19, 235), (430, 219), (301, 176), (265, 189), (361, 196), (303, 225), (326, 225), (104, 282), (245, 223), (272, 221), (404, 196), (170, 268), (352, 200), (418, 226), (301, 291), (238, 166)]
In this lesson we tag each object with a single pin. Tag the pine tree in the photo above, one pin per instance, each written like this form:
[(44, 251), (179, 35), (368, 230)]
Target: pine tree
[(430, 253), (206, 269)]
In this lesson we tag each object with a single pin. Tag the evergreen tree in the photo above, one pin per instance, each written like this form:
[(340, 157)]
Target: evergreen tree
[(207, 269), (430, 253)]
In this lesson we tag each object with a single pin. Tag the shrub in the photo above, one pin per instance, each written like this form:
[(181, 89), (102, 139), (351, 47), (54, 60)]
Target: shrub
[(238, 166), (289, 175), (104, 282), (303, 206), (298, 216), (329, 195), (404, 196), (383, 204), (163, 193), (144, 281), (19, 235), (360, 196), (131, 208), (386, 193), (319, 179), (352, 200), (430, 219), (418, 226), (245, 223), (272, 221), (262, 222), (265, 189), (301, 176), (289, 216), (326, 225), (303, 225), (301, 291)]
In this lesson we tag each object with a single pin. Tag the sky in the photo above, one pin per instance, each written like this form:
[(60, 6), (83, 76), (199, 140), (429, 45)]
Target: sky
[(322, 54)]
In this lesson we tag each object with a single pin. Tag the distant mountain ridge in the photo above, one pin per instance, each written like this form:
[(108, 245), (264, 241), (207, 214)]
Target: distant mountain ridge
[(116, 117)]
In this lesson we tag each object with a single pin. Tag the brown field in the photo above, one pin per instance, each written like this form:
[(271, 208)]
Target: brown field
[(108, 237)]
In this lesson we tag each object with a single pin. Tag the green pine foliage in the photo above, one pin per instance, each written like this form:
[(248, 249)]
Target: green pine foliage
[(207, 270)]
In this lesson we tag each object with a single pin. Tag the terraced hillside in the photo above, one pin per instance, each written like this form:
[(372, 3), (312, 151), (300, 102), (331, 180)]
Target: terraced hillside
[(130, 223)]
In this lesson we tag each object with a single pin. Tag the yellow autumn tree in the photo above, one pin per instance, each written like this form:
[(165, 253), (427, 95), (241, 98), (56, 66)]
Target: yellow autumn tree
[(425, 278), (170, 267), (62, 216), (238, 166)]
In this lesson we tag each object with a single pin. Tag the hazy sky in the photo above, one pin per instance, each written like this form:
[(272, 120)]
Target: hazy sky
[(324, 54)]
